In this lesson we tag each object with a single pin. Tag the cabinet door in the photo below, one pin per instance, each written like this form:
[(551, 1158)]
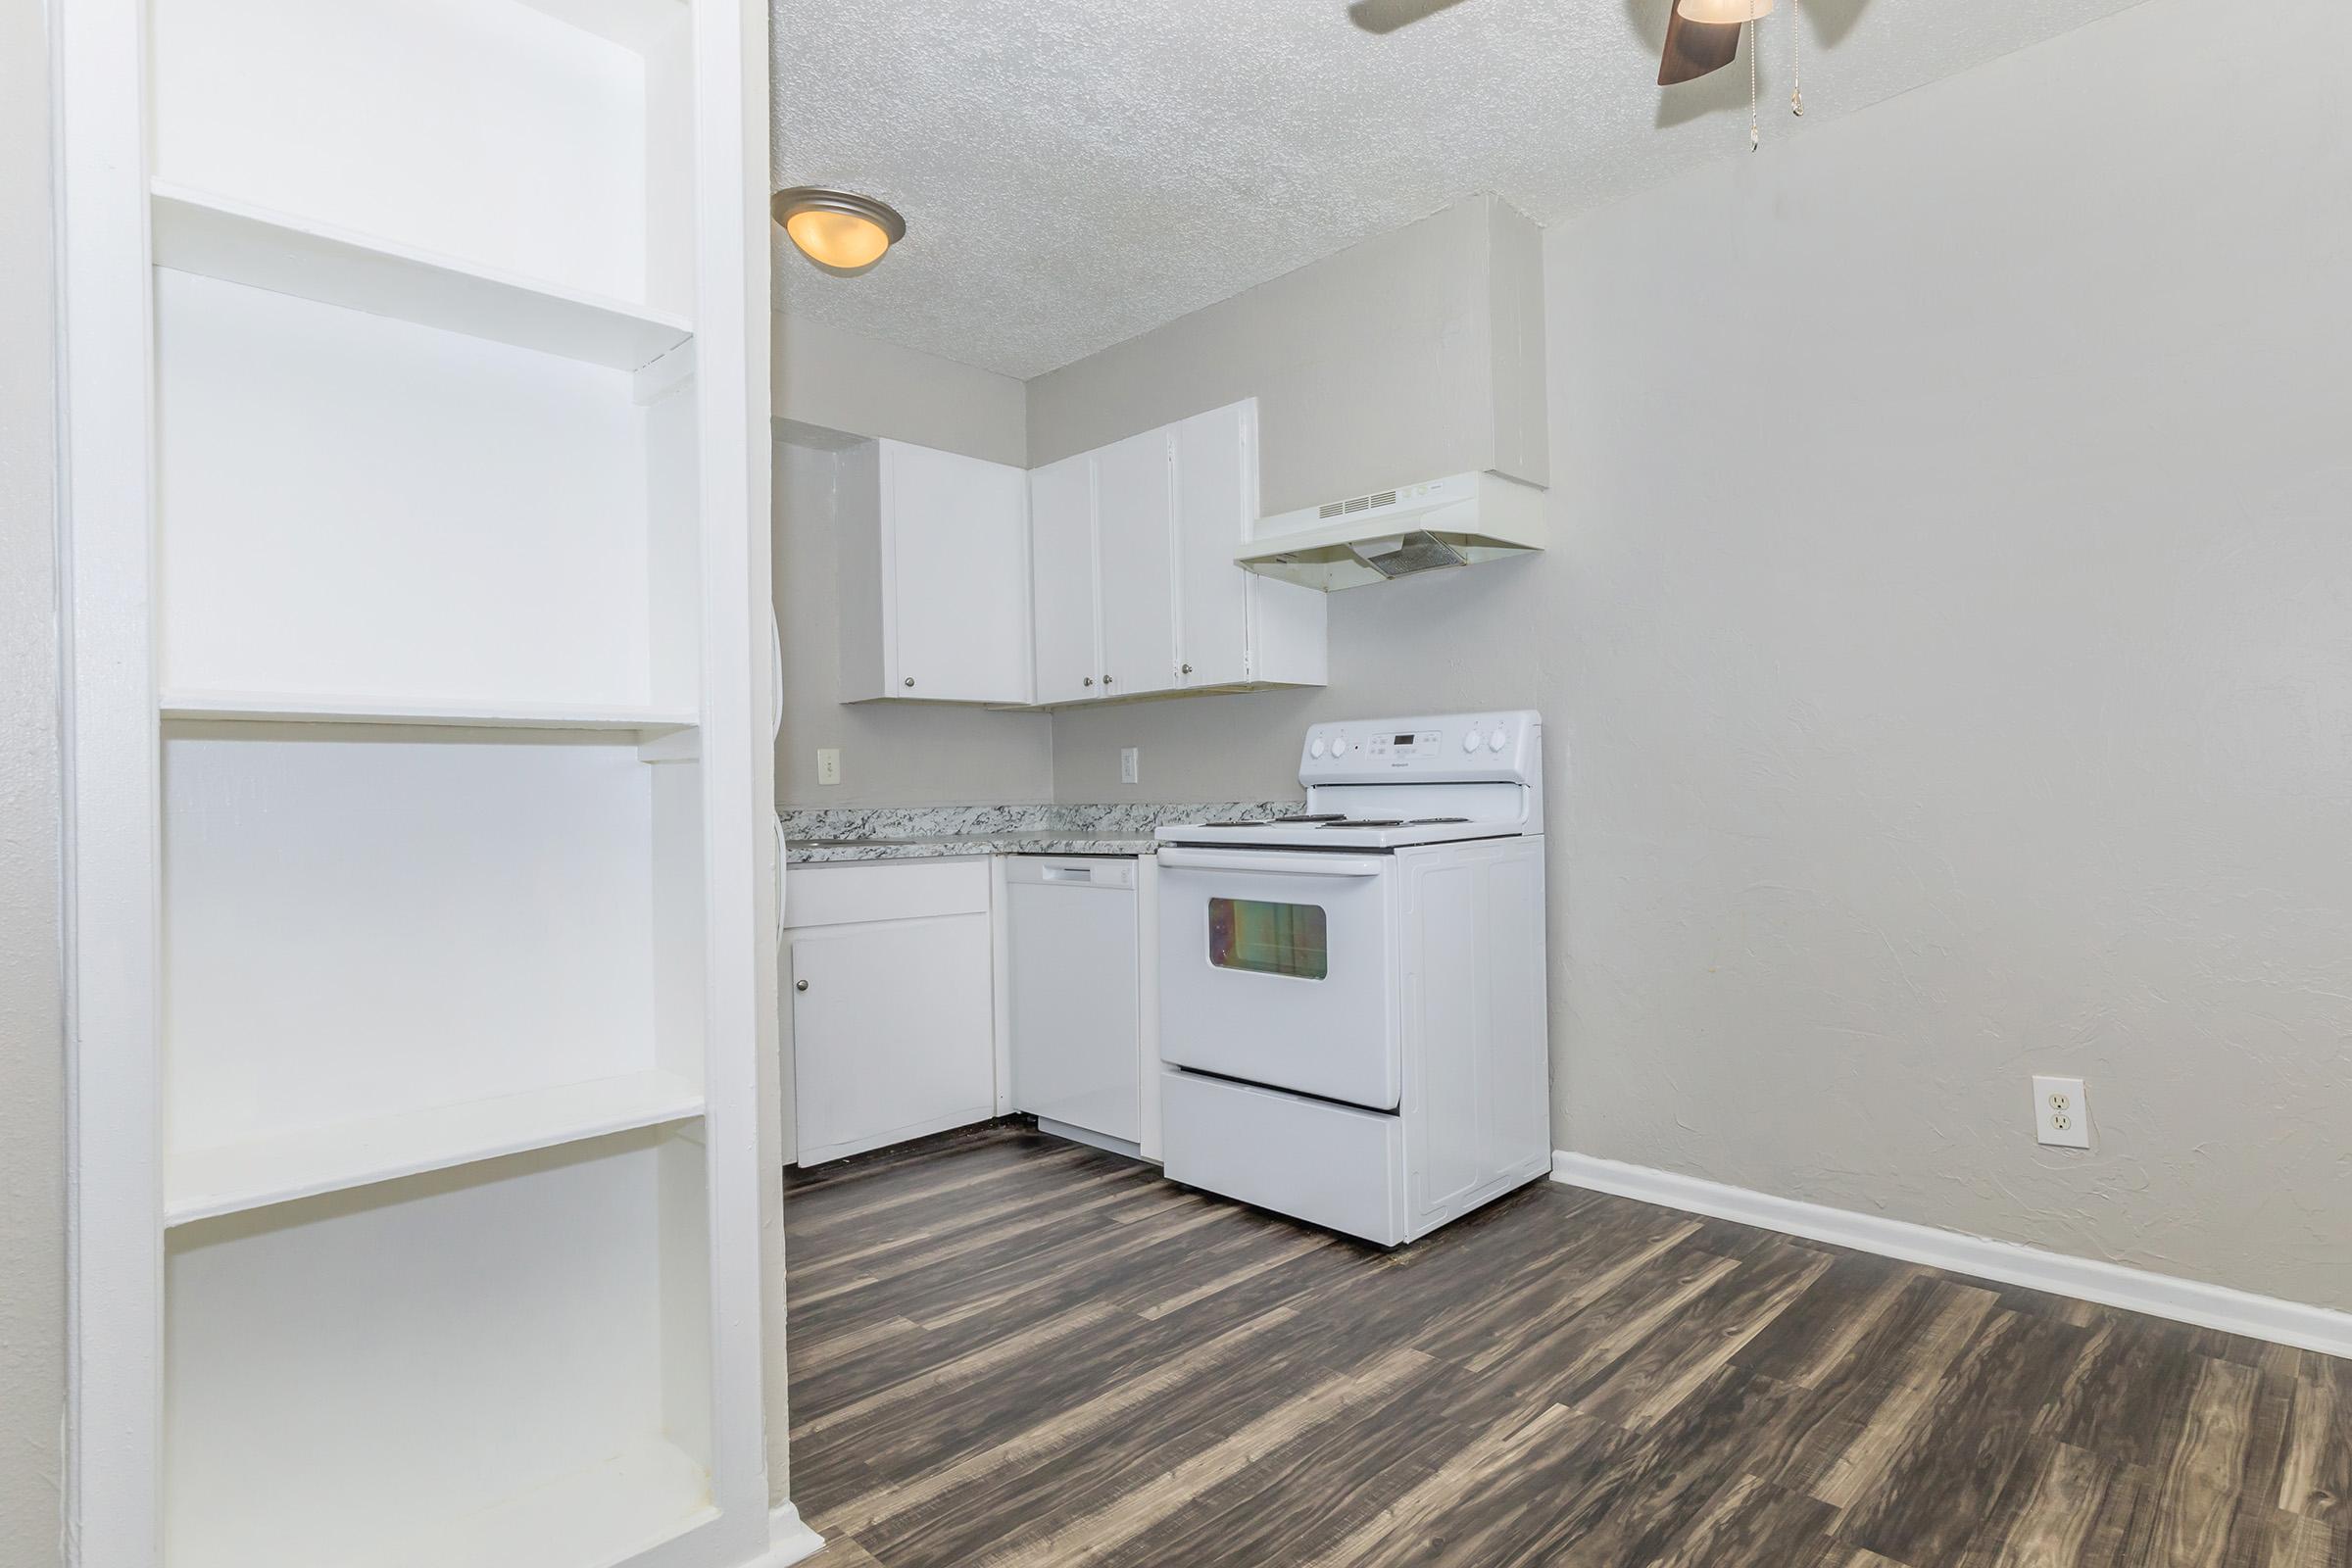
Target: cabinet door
[(1216, 503), (1136, 524), (958, 532), (1068, 649), (877, 1059)]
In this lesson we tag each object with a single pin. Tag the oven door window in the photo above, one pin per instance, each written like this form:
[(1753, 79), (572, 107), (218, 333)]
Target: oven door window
[(1265, 938)]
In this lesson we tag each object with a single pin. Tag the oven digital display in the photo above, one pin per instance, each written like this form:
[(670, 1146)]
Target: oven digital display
[(1403, 748), (1259, 937)]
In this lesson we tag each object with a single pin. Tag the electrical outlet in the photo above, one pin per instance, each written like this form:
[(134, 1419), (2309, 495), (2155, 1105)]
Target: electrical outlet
[(2061, 1113), (828, 764), (1131, 765)]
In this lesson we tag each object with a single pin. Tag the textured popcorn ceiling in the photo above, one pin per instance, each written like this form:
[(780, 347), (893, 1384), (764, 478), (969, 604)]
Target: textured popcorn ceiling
[(1076, 172)]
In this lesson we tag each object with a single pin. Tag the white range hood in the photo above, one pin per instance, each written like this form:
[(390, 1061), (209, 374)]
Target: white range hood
[(1455, 521)]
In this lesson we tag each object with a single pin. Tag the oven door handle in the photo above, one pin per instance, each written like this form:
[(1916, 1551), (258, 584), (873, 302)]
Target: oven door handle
[(1306, 862)]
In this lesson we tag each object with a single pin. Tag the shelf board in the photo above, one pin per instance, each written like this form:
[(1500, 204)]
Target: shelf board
[(648, 1494), (296, 708), (197, 231), (203, 1183)]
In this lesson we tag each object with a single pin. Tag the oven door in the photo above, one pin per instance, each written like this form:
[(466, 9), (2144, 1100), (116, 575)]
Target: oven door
[(1279, 967)]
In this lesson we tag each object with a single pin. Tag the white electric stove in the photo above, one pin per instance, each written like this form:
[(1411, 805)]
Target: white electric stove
[(1352, 1009)]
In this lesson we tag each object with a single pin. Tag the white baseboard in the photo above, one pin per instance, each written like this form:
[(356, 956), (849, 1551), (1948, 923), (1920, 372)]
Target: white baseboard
[(789, 1540), (2213, 1307)]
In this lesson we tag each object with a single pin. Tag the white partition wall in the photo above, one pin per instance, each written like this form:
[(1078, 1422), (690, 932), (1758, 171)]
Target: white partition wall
[(417, 678)]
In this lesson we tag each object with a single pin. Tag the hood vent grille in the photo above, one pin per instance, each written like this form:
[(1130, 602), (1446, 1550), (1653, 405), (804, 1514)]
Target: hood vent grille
[(1344, 509), (1460, 520)]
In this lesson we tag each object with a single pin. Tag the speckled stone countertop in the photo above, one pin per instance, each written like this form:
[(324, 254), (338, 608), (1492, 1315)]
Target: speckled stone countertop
[(814, 837)]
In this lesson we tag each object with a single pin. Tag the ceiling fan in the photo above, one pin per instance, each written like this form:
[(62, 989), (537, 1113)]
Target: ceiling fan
[(1702, 36)]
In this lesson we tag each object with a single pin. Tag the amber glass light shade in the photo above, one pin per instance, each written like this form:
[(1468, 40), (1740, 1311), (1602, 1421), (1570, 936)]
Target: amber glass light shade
[(838, 229)]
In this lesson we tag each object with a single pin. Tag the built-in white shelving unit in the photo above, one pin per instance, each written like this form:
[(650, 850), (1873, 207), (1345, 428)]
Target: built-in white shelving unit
[(316, 709), (417, 679), (212, 236)]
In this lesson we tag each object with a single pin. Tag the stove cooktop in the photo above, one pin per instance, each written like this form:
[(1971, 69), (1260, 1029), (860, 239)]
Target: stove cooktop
[(1332, 832)]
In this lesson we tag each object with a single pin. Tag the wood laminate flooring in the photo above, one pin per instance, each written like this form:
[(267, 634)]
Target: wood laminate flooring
[(1007, 1350)]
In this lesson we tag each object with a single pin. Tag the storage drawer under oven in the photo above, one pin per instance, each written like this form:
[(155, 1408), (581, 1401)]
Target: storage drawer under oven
[(1330, 1165)]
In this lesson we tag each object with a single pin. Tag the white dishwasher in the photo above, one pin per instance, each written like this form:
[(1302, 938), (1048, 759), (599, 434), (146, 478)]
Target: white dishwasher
[(1075, 969)]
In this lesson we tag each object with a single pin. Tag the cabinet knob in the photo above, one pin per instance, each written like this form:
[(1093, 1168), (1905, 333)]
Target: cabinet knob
[(799, 985), (1188, 669), (1090, 680), (1106, 680), (911, 680)]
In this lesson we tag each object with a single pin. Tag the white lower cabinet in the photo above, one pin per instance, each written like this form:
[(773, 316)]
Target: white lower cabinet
[(925, 994), (889, 973)]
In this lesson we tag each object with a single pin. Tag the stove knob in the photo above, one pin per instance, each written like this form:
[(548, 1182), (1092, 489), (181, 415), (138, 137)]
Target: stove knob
[(1498, 741), (1318, 749), (1339, 746), (1470, 740)]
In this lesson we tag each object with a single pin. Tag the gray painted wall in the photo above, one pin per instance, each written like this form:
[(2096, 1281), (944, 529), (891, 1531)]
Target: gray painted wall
[(1408, 356), (842, 380), (1946, 653), (892, 753), (33, 1211)]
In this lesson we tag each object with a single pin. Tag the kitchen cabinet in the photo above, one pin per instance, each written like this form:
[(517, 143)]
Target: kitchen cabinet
[(933, 577), (1135, 490), (1061, 563), (1132, 570), (1076, 976), (1236, 627), (888, 971)]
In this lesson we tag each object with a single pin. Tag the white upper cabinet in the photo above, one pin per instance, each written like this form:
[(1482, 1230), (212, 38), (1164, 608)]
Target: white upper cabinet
[(934, 576), (1135, 507), (1061, 578), (1233, 628), (1133, 573)]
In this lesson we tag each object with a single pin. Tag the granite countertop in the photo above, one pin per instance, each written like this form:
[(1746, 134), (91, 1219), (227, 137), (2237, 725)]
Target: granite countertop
[(816, 837)]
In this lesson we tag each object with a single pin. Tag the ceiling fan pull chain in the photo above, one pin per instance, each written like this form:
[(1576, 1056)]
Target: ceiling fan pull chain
[(1755, 124), (1796, 63)]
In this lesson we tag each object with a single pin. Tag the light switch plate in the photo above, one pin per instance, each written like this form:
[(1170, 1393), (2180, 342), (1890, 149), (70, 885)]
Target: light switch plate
[(1131, 765), (2061, 1113), (828, 764)]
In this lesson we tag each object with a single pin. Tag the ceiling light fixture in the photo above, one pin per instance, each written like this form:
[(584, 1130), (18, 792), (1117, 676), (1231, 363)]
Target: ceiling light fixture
[(836, 229), (1702, 36)]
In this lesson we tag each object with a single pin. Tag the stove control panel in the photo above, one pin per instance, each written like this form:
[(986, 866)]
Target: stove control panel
[(1457, 747), (1405, 744)]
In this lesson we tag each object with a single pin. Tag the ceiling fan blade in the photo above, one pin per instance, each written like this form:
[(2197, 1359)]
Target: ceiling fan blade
[(1386, 15), (1694, 49)]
